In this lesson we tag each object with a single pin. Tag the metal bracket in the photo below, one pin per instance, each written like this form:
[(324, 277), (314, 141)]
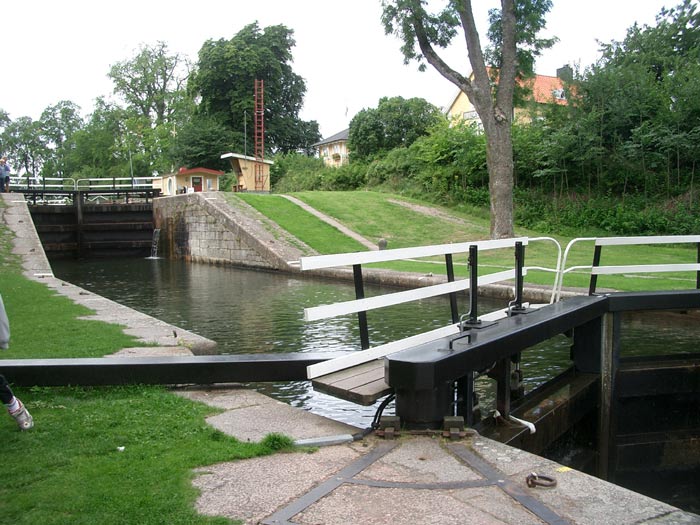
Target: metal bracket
[(453, 427), (389, 427)]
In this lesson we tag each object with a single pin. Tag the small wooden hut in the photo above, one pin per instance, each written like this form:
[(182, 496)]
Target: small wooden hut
[(188, 180), (253, 174)]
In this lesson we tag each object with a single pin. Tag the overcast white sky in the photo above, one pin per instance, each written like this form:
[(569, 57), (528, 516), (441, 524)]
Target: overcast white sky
[(53, 51)]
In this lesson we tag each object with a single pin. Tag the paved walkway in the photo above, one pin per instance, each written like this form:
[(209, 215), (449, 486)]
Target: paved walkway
[(330, 220), (408, 481)]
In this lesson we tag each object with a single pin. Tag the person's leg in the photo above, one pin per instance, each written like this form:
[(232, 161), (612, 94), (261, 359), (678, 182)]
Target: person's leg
[(14, 406), (6, 395)]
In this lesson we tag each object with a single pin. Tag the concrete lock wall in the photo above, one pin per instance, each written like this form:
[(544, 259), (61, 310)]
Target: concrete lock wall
[(203, 227)]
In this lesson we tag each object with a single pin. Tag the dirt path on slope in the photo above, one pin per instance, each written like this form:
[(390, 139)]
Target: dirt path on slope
[(434, 212)]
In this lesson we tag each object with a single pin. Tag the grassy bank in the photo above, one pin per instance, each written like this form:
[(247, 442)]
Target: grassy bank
[(405, 222), (71, 468)]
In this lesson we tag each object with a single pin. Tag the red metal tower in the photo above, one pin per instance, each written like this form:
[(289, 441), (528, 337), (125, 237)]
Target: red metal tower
[(259, 124)]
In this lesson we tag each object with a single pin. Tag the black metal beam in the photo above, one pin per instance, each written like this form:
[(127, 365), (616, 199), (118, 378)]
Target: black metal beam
[(162, 370), (432, 364), (665, 300), (449, 266), (361, 316)]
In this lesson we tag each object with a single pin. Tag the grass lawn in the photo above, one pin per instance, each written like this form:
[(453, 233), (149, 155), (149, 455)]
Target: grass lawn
[(321, 236), (69, 469), (376, 215)]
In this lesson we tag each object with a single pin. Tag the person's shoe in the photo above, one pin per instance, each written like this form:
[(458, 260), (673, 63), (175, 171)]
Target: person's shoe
[(24, 419)]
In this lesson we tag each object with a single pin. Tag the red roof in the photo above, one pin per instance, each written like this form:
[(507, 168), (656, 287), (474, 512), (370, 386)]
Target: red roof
[(547, 90), (192, 171)]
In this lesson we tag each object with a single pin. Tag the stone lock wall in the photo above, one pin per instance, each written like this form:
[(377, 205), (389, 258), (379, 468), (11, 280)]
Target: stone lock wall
[(204, 227)]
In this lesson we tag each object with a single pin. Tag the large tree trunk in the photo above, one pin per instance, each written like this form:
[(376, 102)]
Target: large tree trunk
[(499, 160)]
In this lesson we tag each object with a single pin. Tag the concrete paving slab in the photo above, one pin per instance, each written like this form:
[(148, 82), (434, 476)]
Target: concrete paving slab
[(419, 460), (154, 351), (580, 497), (351, 505), (250, 416), (418, 479), (252, 489)]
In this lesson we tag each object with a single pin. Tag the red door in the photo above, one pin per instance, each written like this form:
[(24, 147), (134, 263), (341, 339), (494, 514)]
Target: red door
[(197, 183)]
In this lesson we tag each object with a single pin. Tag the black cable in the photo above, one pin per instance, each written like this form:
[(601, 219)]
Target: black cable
[(380, 409)]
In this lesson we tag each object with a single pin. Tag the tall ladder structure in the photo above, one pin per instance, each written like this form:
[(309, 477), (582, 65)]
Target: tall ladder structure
[(259, 135)]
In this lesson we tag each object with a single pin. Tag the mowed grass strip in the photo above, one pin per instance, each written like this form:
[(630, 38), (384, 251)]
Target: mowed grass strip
[(319, 235), (377, 216), (45, 324)]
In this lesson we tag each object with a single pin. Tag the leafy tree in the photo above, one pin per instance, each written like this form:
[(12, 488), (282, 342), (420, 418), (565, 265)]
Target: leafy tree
[(99, 149), (396, 122), (4, 120), (200, 142), (638, 108), (224, 83), (24, 145), (58, 124), (513, 28), (152, 83)]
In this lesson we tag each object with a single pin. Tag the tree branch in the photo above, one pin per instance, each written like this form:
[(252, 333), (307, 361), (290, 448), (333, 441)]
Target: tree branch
[(481, 84), (509, 66), (435, 60)]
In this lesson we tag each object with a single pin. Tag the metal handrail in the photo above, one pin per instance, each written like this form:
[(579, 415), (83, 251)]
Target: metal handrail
[(115, 183), (634, 268), (556, 271), (48, 183)]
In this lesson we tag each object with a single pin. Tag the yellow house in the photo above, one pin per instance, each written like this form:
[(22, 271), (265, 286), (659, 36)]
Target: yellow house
[(334, 149), (544, 90), (188, 181), (253, 175)]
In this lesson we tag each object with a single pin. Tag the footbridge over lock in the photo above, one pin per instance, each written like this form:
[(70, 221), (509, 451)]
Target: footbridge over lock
[(91, 217)]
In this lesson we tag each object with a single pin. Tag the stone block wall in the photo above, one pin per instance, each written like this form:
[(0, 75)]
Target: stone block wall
[(204, 227)]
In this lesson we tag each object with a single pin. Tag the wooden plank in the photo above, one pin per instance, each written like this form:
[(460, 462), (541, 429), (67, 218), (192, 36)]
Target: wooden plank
[(355, 376), (365, 395), (363, 384), (351, 383)]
